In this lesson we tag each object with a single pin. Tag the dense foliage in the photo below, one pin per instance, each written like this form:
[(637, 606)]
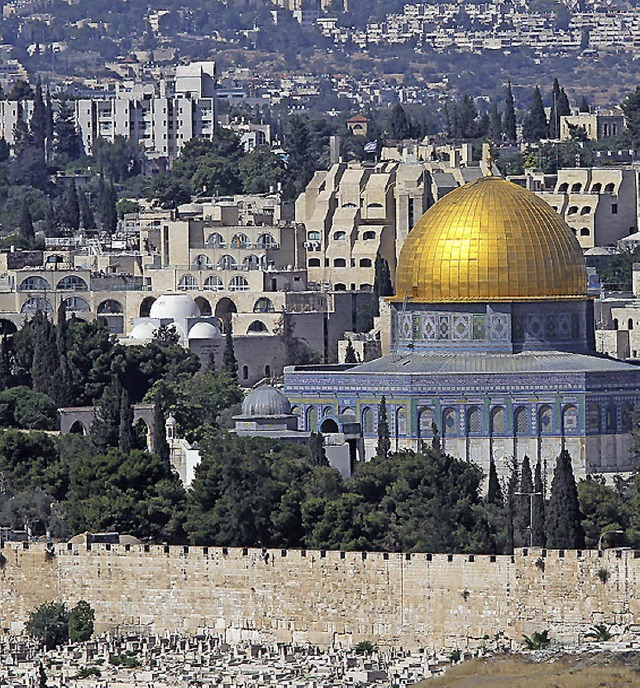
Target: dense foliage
[(52, 624)]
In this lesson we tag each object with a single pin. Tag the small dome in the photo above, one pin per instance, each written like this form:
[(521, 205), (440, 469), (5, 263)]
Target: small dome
[(143, 331), (204, 330), (490, 240), (266, 401), (174, 307)]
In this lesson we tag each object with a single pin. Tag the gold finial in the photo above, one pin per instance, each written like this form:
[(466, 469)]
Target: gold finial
[(489, 160)]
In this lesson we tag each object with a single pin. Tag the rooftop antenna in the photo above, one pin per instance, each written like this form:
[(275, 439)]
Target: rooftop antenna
[(489, 159)]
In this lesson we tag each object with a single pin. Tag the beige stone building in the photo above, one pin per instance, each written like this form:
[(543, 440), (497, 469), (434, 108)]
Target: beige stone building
[(598, 126)]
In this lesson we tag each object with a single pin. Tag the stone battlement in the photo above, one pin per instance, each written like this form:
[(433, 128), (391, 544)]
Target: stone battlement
[(327, 597)]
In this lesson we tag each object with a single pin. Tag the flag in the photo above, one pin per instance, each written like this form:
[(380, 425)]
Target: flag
[(371, 147)]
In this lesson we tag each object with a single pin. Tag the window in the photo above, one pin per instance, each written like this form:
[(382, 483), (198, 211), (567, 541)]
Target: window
[(227, 262), (630, 324), (569, 420), (240, 241), (188, 283), (545, 420), (213, 283), (521, 421), (72, 283), (610, 419), (257, 326), (76, 304), (201, 261), (266, 240), (216, 240), (314, 262), (368, 235), (339, 236), (610, 188), (572, 210), (596, 188), (238, 283), (340, 287), (339, 263), (313, 236), (626, 418), (614, 208), (367, 421), (474, 425), (616, 324), (586, 210), (593, 418), (251, 262), (563, 187), (34, 284), (365, 262), (498, 425), (426, 421), (36, 303), (449, 426), (401, 422), (576, 188), (366, 287), (585, 231), (267, 373), (245, 372), (263, 305), (312, 419)]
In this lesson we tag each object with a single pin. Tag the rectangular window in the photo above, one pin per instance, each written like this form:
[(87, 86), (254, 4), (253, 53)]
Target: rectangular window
[(614, 208)]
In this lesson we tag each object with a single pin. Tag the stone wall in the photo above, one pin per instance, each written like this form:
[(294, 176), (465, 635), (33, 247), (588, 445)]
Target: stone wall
[(416, 600)]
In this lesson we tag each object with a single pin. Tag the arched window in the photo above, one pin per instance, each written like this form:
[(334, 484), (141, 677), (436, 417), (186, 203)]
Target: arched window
[(626, 418), (36, 303), (573, 209), (251, 262), (339, 263), (266, 240), (365, 262), (257, 326), (368, 235), (204, 306), (585, 210), (610, 420), (563, 187), (593, 418), (238, 283), (616, 324), (313, 236), (245, 372), (34, 283), (201, 262), (449, 423), (312, 419), (340, 287), (145, 306), (570, 420), (610, 188), (473, 421), (227, 262), (585, 231), (374, 205), (521, 425), (267, 373), (401, 422), (216, 240), (240, 240), (366, 287), (213, 283), (498, 421), (596, 188), (339, 236), (110, 307), (263, 305), (111, 314), (545, 420), (76, 304), (314, 262), (367, 421), (72, 283), (576, 188), (188, 283), (426, 419), (630, 324)]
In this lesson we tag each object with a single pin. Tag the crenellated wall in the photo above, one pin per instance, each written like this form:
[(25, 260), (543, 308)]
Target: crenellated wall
[(323, 598)]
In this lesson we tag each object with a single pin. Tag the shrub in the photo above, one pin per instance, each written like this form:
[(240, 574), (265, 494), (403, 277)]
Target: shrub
[(365, 647), (49, 624), (603, 574), (81, 619), (537, 640), (599, 632)]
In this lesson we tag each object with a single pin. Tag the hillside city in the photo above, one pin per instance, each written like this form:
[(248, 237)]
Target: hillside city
[(325, 276)]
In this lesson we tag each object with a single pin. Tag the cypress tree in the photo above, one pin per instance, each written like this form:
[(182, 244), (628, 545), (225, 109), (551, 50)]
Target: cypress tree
[(72, 207), (125, 427), (5, 363), (45, 355), (538, 525), (350, 353), (535, 126), (436, 442), (495, 122), (160, 445), (522, 505), (554, 115), (399, 124), (382, 285), (87, 220), (105, 428), (564, 518), (27, 232), (563, 104), (229, 361), (494, 491), (107, 207), (384, 442), (584, 105), (512, 488), (316, 450), (509, 116), (49, 126), (39, 118)]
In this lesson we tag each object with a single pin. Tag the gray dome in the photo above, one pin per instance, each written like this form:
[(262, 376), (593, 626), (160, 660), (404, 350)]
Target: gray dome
[(266, 401)]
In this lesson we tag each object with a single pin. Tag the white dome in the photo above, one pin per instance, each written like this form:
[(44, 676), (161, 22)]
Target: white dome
[(143, 331), (204, 330), (174, 307)]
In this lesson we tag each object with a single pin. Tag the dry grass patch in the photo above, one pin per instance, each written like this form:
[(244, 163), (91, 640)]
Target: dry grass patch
[(604, 670)]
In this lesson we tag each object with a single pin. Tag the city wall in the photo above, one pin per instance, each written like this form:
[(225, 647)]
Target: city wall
[(326, 598)]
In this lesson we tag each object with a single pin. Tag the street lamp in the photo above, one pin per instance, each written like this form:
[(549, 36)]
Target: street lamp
[(531, 495), (607, 532)]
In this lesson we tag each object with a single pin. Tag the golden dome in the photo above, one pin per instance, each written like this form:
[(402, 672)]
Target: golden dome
[(490, 240)]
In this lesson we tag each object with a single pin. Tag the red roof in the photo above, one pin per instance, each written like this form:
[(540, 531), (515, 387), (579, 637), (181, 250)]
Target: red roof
[(357, 118)]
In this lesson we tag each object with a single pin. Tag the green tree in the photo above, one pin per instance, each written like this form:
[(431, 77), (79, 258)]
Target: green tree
[(554, 115), (81, 618), (522, 506), (125, 426), (583, 106), (27, 232), (535, 127), (87, 219), (72, 207), (399, 124), (261, 171), (564, 518), (39, 118), (21, 407), (539, 515), (384, 442), (316, 450), (107, 211), (67, 142), (105, 429), (296, 350), (494, 491), (49, 624), (20, 91), (631, 109), (169, 191), (604, 508), (495, 126), (301, 162), (350, 353), (229, 361), (509, 116), (160, 445)]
